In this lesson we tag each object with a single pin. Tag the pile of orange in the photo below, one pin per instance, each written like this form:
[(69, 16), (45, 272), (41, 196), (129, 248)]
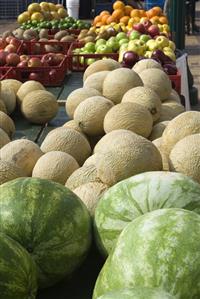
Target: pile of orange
[(124, 13)]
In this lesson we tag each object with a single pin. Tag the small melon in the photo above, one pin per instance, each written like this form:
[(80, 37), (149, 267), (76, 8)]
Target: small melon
[(3, 107), (170, 110), (76, 97), (118, 82), (23, 153), (146, 97), (39, 106), (71, 124), (83, 175), (157, 80), (101, 65), (127, 159), (129, 116), (7, 124), (187, 123), (90, 194), (89, 115), (9, 98), (185, 157), (69, 141), (96, 80), (158, 143), (55, 166), (9, 171), (91, 160), (27, 87), (12, 83), (146, 64), (4, 139), (174, 97), (158, 130)]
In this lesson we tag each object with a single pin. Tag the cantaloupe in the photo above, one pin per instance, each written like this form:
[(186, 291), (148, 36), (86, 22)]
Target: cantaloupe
[(89, 115), (39, 106), (83, 175), (158, 143), (174, 97), (90, 193), (96, 80), (187, 123), (7, 124), (101, 65), (69, 141), (71, 124), (146, 97), (129, 116), (157, 80), (127, 159), (93, 140), (158, 130), (9, 171), (118, 82), (76, 97), (146, 64), (12, 83), (185, 157), (9, 98), (23, 153), (27, 87), (3, 107), (91, 160), (4, 139), (55, 166), (169, 110)]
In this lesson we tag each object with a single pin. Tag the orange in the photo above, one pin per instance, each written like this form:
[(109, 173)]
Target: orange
[(136, 20), (142, 13), (124, 20), (104, 12), (118, 14), (150, 13), (99, 24), (104, 19), (163, 20), (157, 10), (155, 20), (96, 20), (110, 20), (135, 13), (128, 10), (118, 5)]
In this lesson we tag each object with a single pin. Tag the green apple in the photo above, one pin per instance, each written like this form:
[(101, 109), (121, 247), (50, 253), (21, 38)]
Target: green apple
[(145, 37), (168, 49), (152, 45), (99, 42), (121, 35), (170, 54), (91, 61), (148, 54), (90, 47), (137, 46), (114, 44), (162, 41), (134, 35), (124, 47), (172, 45), (103, 49), (123, 41)]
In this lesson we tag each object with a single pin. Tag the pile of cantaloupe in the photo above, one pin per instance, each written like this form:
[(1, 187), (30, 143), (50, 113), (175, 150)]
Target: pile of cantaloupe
[(122, 122)]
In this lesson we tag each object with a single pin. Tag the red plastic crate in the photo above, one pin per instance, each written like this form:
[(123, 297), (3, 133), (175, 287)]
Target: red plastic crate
[(176, 82), (22, 73), (78, 62), (5, 73), (70, 31)]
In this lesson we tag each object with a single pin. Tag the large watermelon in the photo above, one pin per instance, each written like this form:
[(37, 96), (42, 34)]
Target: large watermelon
[(48, 220), (18, 278), (137, 293), (160, 249), (138, 195)]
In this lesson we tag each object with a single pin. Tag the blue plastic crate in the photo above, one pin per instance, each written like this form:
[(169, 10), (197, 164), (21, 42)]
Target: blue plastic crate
[(152, 3)]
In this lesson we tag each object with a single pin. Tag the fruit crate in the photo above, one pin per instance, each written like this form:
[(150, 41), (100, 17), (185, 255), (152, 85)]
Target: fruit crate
[(176, 82), (41, 74), (34, 47), (5, 73), (79, 62), (70, 31)]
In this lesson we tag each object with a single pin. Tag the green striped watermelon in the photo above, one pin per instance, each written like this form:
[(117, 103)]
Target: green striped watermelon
[(137, 293), (138, 195), (18, 278), (160, 249), (48, 220)]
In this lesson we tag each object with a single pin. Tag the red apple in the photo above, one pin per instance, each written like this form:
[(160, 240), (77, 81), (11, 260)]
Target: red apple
[(24, 58), (23, 63), (153, 30), (147, 24), (11, 49), (8, 39), (35, 76), (3, 43), (53, 75), (139, 27), (12, 59), (50, 58), (14, 41), (34, 62), (130, 58), (60, 57), (3, 55)]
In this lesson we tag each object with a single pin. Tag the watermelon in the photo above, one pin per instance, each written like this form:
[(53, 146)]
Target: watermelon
[(18, 278), (138, 195), (50, 221), (137, 293), (160, 249)]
